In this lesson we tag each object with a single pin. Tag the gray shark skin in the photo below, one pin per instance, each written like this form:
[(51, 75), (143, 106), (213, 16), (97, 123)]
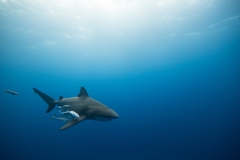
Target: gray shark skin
[(83, 105), (11, 92)]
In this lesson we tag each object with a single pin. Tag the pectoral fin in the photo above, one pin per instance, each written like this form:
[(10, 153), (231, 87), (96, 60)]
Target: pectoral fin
[(73, 122)]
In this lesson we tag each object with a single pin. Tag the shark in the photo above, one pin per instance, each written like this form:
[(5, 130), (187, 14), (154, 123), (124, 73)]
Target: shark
[(86, 107)]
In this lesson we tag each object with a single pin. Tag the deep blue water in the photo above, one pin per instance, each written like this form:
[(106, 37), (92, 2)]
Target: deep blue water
[(170, 69)]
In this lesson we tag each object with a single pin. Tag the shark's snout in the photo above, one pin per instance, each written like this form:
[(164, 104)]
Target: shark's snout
[(114, 114)]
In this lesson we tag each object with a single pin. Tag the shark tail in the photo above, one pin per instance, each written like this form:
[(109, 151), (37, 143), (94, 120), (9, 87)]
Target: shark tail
[(49, 100)]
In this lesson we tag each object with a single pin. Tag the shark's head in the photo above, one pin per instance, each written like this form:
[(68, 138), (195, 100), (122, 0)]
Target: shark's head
[(109, 114), (102, 113)]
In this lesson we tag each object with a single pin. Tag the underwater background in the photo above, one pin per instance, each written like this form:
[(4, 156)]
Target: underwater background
[(169, 68)]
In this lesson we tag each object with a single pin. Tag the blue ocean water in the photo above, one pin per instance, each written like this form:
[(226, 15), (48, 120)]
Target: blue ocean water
[(170, 69)]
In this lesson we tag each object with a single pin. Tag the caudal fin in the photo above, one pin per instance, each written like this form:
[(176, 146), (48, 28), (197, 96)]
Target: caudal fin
[(49, 100)]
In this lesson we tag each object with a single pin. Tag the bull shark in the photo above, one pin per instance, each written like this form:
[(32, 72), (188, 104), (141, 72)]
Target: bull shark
[(83, 105)]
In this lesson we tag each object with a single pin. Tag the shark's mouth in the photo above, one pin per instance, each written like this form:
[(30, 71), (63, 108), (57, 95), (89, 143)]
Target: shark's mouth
[(103, 119)]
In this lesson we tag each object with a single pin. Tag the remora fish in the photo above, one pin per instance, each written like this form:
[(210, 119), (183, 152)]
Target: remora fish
[(61, 118)]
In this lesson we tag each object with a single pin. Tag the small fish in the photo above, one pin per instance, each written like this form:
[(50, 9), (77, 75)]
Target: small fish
[(64, 111), (11, 92), (61, 118)]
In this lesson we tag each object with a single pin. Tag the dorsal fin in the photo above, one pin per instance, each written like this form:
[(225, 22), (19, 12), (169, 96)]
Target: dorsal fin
[(61, 97), (83, 92)]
